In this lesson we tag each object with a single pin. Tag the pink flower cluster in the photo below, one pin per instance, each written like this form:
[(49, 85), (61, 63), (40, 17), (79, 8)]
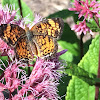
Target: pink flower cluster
[(82, 27), (7, 14), (40, 85), (88, 9), (43, 80)]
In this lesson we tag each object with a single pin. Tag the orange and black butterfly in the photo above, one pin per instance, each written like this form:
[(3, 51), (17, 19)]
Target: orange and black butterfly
[(40, 40)]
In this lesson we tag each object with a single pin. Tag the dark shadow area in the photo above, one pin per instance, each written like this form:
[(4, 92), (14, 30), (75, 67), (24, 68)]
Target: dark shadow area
[(86, 46), (69, 35), (62, 86)]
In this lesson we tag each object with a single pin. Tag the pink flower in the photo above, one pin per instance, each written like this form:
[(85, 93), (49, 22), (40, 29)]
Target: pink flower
[(5, 50), (3, 46), (11, 74), (1, 96), (82, 27), (37, 19), (7, 15), (86, 9), (43, 81)]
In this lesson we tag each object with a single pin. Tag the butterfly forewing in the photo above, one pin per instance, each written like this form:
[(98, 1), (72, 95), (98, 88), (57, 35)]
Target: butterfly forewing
[(10, 33), (52, 27)]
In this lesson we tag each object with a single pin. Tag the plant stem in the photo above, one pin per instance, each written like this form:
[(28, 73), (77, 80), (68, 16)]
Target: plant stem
[(97, 21), (19, 1), (98, 76), (29, 71), (81, 39), (1, 75), (10, 95), (81, 45)]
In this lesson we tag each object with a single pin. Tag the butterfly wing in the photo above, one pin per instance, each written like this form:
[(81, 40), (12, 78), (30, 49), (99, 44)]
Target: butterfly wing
[(15, 37), (44, 45), (45, 35), (52, 27), (22, 49), (10, 33)]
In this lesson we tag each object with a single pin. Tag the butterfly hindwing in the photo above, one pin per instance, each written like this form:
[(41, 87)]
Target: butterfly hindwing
[(46, 45), (22, 49)]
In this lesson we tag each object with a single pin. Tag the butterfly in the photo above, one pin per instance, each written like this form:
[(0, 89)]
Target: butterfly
[(40, 40)]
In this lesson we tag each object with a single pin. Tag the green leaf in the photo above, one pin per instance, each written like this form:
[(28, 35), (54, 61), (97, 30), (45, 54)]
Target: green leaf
[(3, 59), (25, 9), (74, 70), (70, 42), (62, 14), (93, 26), (79, 89)]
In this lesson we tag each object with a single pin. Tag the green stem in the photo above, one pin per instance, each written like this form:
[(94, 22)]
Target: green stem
[(19, 1), (97, 21)]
